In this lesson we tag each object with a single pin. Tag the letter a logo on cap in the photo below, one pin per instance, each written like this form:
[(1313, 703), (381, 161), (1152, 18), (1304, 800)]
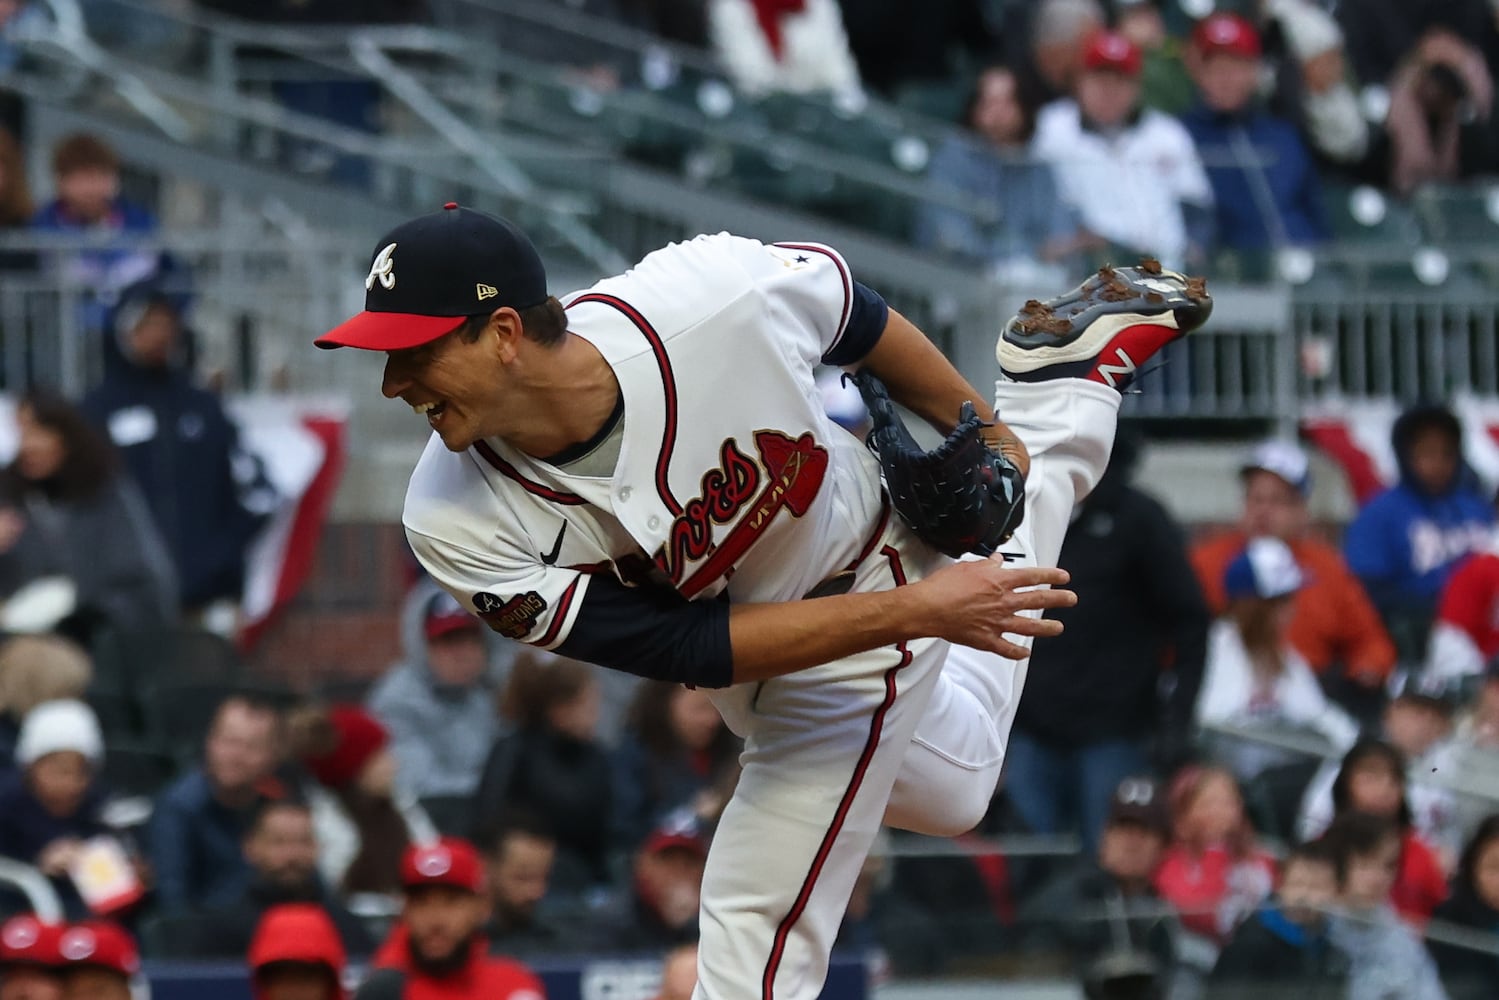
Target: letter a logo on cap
[(383, 270), (486, 291)]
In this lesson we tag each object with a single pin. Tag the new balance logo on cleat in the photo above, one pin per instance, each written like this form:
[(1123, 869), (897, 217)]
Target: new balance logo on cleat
[(1127, 369)]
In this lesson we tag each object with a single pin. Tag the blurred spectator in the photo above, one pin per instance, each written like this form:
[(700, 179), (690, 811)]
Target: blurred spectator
[(1285, 946), (1465, 635), (676, 753), (281, 851), (1131, 173), (34, 669), (1405, 542), (891, 933), (1312, 83), (679, 973), (660, 908), (437, 703), (1381, 33), (992, 165), (30, 959), (1440, 120), (364, 832), (791, 46), (100, 962), (1475, 748), (1333, 624), (438, 947), (1213, 873), (1059, 32), (1372, 781), (207, 496), (19, 19), (1106, 906), (65, 511), (199, 822), (296, 954), (54, 804), (553, 766), (1386, 958), (1418, 723), (86, 175), (1265, 186), (1254, 678), (1164, 83), (16, 207), (518, 859), (1470, 974), (900, 42), (1091, 710)]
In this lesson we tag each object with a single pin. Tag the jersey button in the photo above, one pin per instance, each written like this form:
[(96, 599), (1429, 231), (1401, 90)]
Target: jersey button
[(653, 522), (624, 494)]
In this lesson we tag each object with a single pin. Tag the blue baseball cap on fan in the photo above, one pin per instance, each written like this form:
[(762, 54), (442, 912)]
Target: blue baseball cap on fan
[(1265, 569), (429, 274)]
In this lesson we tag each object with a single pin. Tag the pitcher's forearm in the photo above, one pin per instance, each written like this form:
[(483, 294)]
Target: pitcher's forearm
[(770, 640)]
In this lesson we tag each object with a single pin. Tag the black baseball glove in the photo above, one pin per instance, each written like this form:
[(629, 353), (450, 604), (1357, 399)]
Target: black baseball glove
[(959, 497)]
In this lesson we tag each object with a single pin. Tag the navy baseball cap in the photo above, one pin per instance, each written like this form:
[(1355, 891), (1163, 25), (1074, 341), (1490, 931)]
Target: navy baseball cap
[(429, 273)]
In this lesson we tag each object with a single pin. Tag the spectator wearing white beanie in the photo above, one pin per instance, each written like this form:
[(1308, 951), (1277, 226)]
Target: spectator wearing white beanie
[(53, 804)]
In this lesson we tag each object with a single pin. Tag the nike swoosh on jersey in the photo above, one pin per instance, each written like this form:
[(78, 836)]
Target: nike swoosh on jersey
[(550, 558)]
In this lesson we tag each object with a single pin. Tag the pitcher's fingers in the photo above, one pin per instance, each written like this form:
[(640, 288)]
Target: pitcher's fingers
[(1023, 625), (1039, 600), (1033, 576), (1009, 650)]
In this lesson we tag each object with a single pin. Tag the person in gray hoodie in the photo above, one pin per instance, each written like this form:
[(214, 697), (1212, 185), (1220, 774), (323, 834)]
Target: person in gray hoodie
[(438, 703), (1387, 958)]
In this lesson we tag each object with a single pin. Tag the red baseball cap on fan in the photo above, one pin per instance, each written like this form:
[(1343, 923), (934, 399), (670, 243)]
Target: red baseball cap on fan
[(1109, 50), (101, 944), (428, 275), (1226, 34), (446, 616), (25, 940), (449, 861)]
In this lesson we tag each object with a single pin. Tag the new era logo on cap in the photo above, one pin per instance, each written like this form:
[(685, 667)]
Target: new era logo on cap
[(428, 275)]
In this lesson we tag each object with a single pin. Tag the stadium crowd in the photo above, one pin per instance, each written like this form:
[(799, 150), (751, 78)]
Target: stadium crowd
[(1276, 743)]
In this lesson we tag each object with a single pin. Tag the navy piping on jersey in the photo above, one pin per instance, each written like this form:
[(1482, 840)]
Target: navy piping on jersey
[(534, 488), (559, 616), (668, 383), (848, 283), (573, 452)]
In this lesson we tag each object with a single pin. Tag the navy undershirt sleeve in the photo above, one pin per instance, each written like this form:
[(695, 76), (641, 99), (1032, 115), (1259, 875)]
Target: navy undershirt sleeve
[(866, 322), (652, 632)]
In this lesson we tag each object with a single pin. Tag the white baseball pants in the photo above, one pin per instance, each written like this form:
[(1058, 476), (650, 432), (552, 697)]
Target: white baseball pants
[(912, 736)]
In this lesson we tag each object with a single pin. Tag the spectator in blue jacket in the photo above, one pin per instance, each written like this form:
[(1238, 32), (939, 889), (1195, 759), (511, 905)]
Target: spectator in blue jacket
[(1265, 185), (993, 170), (199, 822), (86, 174), (1406, 541), (179, 445)]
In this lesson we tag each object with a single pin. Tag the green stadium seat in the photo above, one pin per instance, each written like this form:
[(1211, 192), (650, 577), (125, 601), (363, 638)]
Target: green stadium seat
[(1366, 217), (1460, 216)]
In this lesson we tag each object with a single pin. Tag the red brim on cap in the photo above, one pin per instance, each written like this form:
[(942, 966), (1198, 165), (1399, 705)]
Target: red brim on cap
[(382, 331)]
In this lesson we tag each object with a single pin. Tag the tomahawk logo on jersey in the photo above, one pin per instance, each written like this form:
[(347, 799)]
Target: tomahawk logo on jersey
[(722, 323)]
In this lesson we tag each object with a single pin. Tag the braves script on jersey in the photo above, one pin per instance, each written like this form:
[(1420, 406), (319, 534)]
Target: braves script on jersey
[(730, 475)]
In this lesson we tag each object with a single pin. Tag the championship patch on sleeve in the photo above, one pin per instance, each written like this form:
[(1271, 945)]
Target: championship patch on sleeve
[(514, 618)]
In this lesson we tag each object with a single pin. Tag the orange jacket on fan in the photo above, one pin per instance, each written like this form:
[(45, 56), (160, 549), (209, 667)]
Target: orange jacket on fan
[(480, 978), (1334, 621)]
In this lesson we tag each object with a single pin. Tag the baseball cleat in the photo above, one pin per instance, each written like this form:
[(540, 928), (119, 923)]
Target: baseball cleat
[(1105, 328)]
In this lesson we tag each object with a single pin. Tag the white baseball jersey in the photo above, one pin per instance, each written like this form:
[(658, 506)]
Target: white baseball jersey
[(764, 500)]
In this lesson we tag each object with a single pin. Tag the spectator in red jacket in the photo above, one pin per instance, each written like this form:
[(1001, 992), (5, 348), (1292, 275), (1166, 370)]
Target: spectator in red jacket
[(100, 961), (296, 954), (30, 961), (1214, 873), (437, 951), (1466, 633), (1373, 782)]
